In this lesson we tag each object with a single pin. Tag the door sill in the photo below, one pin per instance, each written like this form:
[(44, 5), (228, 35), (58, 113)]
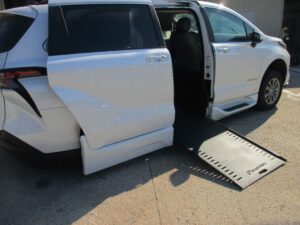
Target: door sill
[(222, 110)]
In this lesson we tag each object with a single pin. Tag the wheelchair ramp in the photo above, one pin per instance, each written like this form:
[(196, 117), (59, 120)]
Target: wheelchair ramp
[(241, 160)]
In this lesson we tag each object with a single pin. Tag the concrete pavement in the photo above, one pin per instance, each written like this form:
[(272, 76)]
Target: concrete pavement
[(170, 186)]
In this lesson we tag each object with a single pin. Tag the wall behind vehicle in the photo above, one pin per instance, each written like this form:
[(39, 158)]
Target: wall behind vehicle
[(265, 14), (2, 6)]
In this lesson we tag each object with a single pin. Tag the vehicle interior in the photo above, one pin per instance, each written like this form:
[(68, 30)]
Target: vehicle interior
[(182, 35)]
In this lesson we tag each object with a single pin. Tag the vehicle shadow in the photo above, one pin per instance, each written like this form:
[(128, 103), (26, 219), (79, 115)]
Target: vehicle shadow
[(248, 121), (35, 192), (40, 190)]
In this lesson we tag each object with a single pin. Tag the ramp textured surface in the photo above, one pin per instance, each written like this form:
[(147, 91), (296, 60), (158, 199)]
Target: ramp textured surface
[(236, 157)]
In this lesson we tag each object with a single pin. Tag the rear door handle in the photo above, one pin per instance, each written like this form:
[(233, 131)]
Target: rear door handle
[(223, 49), (157, 58)]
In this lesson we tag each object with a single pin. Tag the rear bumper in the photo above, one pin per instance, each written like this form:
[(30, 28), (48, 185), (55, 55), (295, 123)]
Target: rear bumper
[(11, 143), (35, 158)]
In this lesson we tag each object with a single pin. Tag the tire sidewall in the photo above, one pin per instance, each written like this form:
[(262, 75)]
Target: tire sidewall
[(262, 104)]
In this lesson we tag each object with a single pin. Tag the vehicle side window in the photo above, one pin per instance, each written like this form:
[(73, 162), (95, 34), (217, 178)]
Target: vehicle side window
[(227, 27), (96, 28), (12, 29), (249, 30), (168, 22)]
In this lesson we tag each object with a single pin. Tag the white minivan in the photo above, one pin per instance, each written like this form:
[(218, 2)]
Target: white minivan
[(108, 76)]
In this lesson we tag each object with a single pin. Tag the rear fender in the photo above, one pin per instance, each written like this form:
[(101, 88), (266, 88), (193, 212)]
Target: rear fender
[(54, 130)]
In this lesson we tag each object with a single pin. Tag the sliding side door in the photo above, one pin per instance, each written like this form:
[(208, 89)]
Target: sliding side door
[(108, 64)]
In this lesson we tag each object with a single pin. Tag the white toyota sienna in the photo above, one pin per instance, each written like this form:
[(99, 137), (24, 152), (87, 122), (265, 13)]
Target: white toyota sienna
[(108, 76)]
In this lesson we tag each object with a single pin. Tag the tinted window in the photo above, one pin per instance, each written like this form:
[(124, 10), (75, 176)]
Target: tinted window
[(249, 30), (95, 28), (226, 27), (12, 28)]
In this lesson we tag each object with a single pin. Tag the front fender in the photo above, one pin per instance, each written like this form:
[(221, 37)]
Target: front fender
[(273, 54)]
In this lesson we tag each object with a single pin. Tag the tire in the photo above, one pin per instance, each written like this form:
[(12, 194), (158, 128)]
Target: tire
[(270, 90)]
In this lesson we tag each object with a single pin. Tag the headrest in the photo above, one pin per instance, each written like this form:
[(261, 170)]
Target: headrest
[(183, 25)]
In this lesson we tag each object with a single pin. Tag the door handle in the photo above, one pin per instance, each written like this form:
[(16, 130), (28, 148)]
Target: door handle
[(157, 58), (223, 49)]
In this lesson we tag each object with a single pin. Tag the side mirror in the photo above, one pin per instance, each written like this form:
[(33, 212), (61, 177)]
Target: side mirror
[(255, 39)]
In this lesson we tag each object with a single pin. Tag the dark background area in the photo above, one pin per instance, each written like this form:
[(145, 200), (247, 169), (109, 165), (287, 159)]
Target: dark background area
[(291, 20), (18, 3)]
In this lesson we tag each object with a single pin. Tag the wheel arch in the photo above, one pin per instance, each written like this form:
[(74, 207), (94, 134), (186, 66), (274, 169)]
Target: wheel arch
[(281, 67), (278, 65)]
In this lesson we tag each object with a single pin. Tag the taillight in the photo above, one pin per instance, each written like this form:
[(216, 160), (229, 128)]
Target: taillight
[(8, 76)]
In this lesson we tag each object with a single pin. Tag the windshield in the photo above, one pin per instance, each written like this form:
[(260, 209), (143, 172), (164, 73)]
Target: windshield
[(12, 28)]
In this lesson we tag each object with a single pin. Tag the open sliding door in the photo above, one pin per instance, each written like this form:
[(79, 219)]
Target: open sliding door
[(108, 64)]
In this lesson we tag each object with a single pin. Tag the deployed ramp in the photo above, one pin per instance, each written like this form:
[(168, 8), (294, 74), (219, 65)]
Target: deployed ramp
[(241, 160)]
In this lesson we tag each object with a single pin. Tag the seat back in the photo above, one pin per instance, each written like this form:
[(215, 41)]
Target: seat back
[(185, 47)]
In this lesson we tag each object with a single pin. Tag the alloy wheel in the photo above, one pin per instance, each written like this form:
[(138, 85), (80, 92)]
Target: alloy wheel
[(272, 91)]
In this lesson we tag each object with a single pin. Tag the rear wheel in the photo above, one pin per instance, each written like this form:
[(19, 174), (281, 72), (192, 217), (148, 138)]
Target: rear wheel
[(270, 90)]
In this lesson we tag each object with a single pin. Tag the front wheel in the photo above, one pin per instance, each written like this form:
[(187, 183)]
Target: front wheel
[(270, 90)]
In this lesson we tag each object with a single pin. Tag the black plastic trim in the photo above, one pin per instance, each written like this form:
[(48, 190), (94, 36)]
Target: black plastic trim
[(27, 97), (16, 85), (239, 106)]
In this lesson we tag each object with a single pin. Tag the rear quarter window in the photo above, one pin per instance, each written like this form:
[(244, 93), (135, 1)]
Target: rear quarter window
[(12, 29)]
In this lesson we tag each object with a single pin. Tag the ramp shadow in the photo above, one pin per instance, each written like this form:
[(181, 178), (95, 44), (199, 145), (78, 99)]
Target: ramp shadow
[(197, 167)]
